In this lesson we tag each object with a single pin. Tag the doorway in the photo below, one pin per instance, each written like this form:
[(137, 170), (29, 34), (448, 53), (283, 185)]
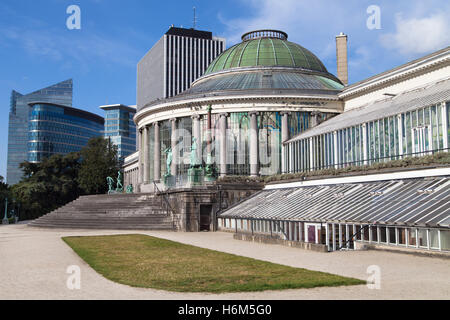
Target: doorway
[(205, 217)]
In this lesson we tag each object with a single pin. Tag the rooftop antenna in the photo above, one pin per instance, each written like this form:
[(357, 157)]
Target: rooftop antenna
[(195, 19)]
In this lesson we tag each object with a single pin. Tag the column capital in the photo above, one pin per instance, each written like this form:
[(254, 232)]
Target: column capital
[(173, 119), (251, 113), (285, 113), (195, 116), (225, 114)]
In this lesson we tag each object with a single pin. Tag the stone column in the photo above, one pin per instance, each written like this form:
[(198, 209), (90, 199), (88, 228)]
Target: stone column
[(146, 164), (284, 138), (336, 150), (444, 127), (253, 147), (400, 135), (174, 147), (196, 135), (157, 153), (223, 143), (141, 151)]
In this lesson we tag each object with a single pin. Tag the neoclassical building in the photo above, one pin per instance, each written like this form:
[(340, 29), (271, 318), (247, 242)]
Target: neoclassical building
[(253, 97), (267, 106)]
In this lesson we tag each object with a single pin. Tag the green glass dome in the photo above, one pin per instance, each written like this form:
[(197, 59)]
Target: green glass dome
[(266, 48)]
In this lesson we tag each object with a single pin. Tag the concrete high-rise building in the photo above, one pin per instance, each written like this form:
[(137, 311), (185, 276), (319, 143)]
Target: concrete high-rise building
[(120, 128), (179, 58), (18, 131)]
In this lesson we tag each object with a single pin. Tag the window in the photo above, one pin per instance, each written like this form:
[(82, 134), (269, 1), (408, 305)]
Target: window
[(358, 232), (366, 233), (445, 240), (434, 241), (374, 231), (392, 238), (401, 236), (422, 238), (383, 234), (412, 240), (421, 138)]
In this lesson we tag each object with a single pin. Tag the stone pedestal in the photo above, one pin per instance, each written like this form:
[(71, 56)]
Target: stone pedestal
[(195, 176), (5, 221), (169, 180)]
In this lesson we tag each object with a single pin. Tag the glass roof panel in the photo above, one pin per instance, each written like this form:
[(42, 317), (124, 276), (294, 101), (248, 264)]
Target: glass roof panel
[(386, 202)]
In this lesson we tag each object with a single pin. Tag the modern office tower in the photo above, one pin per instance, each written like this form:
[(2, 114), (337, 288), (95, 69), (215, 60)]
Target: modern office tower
[(120, 128), (175, 61), (58, 129), (60, 93)]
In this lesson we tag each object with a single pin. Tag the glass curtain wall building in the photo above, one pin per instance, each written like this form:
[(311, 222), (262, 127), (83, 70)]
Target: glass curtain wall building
[(120, 128), (19, 120), (57, 129)]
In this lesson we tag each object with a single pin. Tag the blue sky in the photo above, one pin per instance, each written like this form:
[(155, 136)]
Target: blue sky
[(37, 49)]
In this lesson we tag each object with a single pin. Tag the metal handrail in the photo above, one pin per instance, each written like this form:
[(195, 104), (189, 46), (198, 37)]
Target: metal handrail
[(360, 163), (350, 239), (164, 196)]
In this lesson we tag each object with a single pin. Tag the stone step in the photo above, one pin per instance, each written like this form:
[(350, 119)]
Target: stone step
[(135, 211), (106, 227)]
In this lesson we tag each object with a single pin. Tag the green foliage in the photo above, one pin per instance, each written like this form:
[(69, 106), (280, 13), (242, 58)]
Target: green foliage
[(100, 161), (48, 185), (5, 192)]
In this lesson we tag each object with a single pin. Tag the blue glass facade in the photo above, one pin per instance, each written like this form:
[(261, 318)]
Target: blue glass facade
[(56, 129), (120, 128), (60, 93)]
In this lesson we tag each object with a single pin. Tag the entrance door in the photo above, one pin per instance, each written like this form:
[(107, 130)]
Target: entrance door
[(205, 217), (312, 234)]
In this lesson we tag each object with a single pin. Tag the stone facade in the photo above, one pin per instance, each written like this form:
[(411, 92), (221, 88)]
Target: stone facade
[(195, 209)]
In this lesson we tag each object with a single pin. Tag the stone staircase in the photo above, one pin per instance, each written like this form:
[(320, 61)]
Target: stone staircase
[(114, 212)]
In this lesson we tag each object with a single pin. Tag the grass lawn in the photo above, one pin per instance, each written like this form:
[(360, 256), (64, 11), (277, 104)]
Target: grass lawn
[(148, 262)]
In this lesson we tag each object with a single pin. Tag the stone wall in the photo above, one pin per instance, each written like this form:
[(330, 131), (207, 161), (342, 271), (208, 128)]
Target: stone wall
[(187, 203), (276, 240)]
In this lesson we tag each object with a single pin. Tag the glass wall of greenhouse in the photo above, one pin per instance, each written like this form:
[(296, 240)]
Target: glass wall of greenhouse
[(420, 132)]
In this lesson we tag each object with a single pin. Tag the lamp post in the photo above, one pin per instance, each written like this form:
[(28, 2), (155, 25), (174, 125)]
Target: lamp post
[(5, 219)]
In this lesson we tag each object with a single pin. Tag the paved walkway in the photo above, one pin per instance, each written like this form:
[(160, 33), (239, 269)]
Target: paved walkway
[(33, 264)]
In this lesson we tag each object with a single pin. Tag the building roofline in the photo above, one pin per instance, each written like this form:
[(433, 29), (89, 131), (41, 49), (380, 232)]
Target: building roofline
[(118, 106), (86, 114), (428, 61)]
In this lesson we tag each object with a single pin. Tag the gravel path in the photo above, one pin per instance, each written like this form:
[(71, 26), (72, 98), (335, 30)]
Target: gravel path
[(33, 264)]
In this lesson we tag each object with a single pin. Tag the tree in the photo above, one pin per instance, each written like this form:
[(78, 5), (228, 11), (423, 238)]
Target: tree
[(99, 161), (47, 185), (5, 192)]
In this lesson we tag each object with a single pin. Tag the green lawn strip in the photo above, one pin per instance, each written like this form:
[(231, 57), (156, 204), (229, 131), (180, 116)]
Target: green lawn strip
[(149, 262)]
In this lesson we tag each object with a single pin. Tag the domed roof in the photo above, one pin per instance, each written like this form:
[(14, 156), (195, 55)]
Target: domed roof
[(266, 48)]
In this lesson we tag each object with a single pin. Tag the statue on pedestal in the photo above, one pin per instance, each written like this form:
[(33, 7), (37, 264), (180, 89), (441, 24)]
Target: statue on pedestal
[(169, 180), (110, 182), (195, 171), (119, 187)]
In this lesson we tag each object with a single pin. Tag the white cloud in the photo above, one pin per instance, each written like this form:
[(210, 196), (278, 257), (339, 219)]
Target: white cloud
[(70, 48), (301, 19), (419, 35)]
